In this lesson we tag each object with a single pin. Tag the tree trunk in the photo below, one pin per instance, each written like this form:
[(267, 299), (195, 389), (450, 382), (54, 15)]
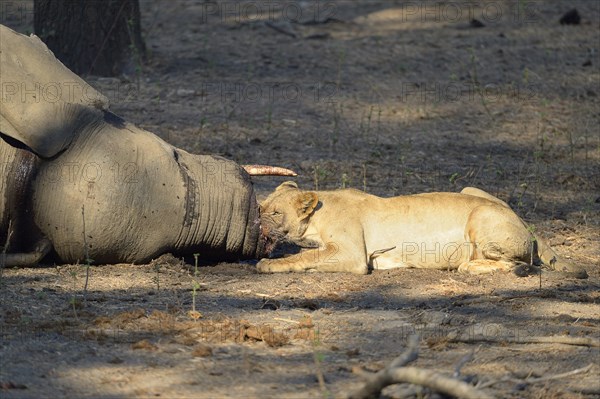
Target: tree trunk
[(98, 37)]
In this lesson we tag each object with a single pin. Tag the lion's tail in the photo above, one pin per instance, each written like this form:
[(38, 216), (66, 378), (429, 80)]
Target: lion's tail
[(550, 258)]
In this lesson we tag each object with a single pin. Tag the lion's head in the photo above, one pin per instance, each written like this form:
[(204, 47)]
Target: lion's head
[(285, 214)]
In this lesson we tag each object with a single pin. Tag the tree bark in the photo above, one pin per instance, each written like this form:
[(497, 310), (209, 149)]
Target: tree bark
[(98, 37)]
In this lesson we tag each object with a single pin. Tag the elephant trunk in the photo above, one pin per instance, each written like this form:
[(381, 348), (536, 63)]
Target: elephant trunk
[(222, 219)]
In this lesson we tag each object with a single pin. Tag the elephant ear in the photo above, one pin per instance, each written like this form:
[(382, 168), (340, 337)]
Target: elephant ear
[(42, 103)]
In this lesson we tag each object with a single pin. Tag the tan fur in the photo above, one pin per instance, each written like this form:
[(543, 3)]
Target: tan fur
[(353, 231)]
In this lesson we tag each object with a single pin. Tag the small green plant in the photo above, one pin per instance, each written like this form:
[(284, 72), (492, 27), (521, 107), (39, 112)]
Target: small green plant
[(4, 249), (250, 71), (524, 186), (376, 153), (341, 61), (522, 4), (364, 167), (319, 358), (74, 302), (156, 277), (212, 65), (195, 286), (454, 177), (571, 147), (269, 117), (136, 53), (345, 180), (41, 295), (525, 76), (534, 247), (531, 230), (379, 111), (538, 156), (156, 99), (335, 134), (319, 174), (367, 128), (203, 122), (477, 85), (88, 260)]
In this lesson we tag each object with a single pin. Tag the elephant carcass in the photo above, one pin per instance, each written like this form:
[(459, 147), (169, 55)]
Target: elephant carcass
[(82, 180)]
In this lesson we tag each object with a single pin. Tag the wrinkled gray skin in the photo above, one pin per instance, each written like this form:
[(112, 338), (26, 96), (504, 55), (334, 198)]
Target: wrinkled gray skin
[(76, 178)]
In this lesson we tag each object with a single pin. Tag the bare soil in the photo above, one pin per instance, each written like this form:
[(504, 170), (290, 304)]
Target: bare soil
[(387, 96)]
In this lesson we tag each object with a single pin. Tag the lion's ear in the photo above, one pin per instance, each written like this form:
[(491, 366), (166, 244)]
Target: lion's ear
[(286, 185), (306, 203)]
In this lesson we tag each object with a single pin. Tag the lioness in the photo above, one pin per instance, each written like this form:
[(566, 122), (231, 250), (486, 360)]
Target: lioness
[(352, 231)]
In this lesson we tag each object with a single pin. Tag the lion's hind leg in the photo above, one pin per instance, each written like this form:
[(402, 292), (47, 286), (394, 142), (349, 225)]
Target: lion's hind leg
[(477, 192), (500, 240)]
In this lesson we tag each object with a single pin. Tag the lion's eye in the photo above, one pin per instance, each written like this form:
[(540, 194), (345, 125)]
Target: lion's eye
[(275, 213)]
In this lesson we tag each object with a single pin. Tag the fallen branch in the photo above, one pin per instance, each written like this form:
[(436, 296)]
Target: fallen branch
[(537, 379), (417, 376), (396, 373), (465, 359), (553, 339), (409, 355), (436, 382)]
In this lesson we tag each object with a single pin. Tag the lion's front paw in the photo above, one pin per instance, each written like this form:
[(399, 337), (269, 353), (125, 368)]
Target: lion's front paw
[(264, 266)]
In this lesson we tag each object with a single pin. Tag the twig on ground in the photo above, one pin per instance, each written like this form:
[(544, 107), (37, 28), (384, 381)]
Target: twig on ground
[(465, 359), (5, 248), (418, 376), (395, 373), (87, 256), (540, 294), (553, 339), (321, 22), (586, 391), (318, 360), (286, 320), (409, 355), (320, 375), (286, 30), (537, 379), (437, 382)]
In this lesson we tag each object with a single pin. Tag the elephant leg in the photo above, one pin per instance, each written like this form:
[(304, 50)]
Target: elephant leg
[(25, 259)]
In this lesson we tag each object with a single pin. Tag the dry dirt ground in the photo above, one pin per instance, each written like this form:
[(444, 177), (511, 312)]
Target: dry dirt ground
[(387, 96)]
